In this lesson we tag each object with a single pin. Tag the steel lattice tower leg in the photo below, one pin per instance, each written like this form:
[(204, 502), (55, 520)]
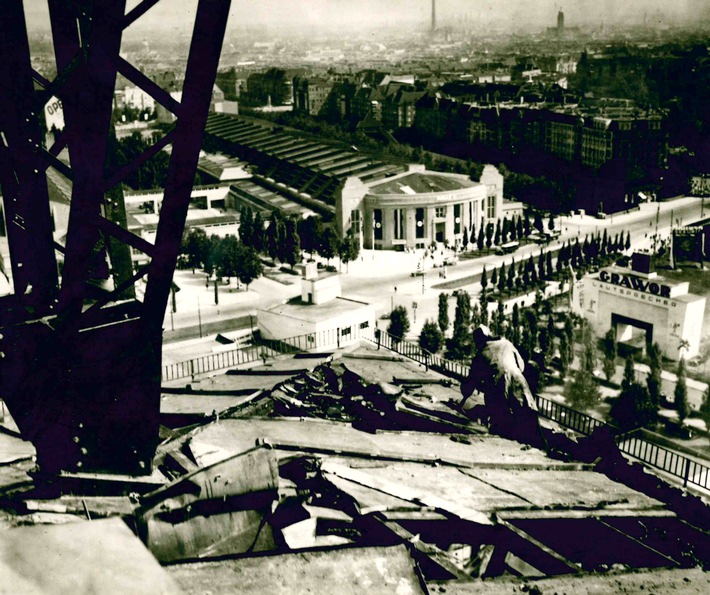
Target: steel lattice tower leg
[(81, 375)]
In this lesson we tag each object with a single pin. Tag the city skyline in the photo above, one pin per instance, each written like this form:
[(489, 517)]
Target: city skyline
[(509, 15)]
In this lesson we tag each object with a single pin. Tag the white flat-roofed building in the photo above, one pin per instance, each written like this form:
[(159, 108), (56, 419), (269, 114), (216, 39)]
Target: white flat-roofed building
[(322, 318), (643, 308), (137, 98), (418, 207), (215, 196)]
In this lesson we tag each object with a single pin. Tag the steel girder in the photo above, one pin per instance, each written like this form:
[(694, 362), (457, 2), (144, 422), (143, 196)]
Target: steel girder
[(80, 373)]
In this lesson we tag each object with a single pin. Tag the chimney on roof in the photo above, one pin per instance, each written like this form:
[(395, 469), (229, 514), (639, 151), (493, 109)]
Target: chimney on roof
[(641, 263)]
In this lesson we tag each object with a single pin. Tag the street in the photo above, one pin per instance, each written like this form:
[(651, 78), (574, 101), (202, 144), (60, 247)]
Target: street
[(385, 277)]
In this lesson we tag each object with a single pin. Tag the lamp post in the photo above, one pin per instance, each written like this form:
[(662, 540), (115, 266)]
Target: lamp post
[(213, 279), (199, 316)]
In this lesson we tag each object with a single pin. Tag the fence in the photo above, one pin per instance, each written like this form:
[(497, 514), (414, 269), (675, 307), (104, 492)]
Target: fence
[(568, 417), (669, 461), (689, 470), (214, 362), (414, 352), (325, 339)]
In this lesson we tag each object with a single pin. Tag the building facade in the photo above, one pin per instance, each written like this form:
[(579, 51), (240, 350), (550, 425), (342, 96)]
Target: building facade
[(643, 308), (322, 318), (311, 94), (418, 208), (612, 150)]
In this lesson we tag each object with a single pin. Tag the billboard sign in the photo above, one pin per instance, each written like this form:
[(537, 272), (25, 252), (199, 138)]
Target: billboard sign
[(54, 114)]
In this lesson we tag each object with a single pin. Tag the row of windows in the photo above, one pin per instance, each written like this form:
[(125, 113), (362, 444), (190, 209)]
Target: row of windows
[(344, 332), (491, 206), (484, 131), (347, 331), (355, 221)]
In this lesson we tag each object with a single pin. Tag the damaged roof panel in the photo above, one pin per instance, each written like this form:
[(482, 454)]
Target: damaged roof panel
[(678, 582), (564, 489), (436, 487), (232, 436), (347, 571), (269, 491), (81, 558)]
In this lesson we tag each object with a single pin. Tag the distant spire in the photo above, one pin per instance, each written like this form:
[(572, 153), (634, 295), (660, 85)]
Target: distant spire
[(433, 15)]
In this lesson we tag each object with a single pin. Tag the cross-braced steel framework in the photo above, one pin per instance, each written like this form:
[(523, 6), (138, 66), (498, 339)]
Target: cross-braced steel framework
[(80, 373)]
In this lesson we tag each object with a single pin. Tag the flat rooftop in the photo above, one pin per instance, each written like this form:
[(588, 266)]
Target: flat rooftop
[(353, 468), (194, 217), (317, 312), (421, 183)]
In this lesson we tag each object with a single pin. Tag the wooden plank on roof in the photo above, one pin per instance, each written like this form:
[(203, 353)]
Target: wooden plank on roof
[(549, 551)]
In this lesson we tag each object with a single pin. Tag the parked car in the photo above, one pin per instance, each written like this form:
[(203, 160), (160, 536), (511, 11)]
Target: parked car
[(507, 248)]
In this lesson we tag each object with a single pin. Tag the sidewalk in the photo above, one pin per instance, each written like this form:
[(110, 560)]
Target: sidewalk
[(196, 306)]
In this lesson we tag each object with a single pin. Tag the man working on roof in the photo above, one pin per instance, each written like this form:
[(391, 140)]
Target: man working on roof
[(497, 372)]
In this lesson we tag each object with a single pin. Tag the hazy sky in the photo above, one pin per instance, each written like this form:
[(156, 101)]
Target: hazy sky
[(515, 13)]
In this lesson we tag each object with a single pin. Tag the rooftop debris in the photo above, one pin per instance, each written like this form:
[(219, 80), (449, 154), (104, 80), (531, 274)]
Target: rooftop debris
[(215, 510), (366, 469)]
